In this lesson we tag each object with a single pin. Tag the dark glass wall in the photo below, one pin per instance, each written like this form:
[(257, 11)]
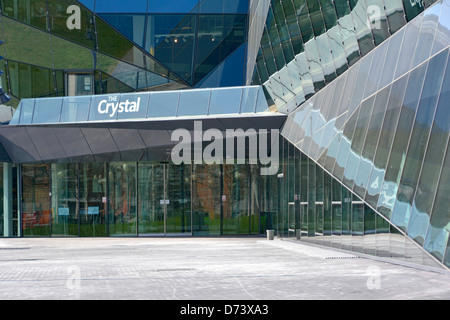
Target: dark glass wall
[(36, 203), (144, 198), (127, 48)]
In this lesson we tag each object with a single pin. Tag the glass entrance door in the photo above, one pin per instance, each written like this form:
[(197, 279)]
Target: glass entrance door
[(293, 221), (164, 199), (79, 84)]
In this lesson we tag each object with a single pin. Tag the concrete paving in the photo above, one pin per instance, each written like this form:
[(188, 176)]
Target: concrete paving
[(226, 268)]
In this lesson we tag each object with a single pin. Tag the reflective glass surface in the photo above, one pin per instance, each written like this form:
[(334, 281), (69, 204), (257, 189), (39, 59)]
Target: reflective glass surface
[(26, 44), (335, 35), (92, 210), (122, 210), (61, 24), (36, 211), (130, 25), (133, 106), (47, 110), (390, 148), (116, 6), (149, 105), (194, 103), (31, 12), (225, 101), (64, 200), (74, 109), (171, 39)]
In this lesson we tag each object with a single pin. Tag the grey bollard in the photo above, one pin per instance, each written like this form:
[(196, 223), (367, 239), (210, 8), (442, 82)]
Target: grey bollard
[(270, 234)]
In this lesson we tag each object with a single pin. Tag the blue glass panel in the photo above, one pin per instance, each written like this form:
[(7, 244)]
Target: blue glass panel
[(261, 103), (130, 25), (332, 152), (119, 6), (229, 73), (27, 109), (163, 104), (427, 33), (438, 231), (193, 103), (185, 6), (398, 150), (249, 96), (363, 75), (411, 165), (16, 117), (218, 37), (443, 29), (224, 6), (408, 47), (376, 69), (419, 139), (171, 39), (385, 139), (47, 110), (75, 109), (88, 4), (437, 237), (224, 101), (345, 146), (392, 56)]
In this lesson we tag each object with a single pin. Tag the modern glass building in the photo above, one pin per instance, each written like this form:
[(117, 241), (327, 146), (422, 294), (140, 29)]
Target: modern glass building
[(325, 120)]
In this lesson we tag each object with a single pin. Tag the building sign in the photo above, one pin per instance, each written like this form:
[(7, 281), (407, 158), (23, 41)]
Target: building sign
[(63, 211), (112, 106), (93, 211)]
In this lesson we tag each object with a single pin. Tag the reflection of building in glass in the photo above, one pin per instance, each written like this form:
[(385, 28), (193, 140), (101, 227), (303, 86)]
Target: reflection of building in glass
[(358, 90)]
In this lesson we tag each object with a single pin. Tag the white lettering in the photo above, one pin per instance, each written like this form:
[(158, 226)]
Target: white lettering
[(113, 107), (183, 147), (74, 21), (374, 17), (414, 2), (100, 107), (213, 153)]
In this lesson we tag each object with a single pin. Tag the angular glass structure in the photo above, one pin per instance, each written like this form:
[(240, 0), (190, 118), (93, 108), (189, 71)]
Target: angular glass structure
[(325, 121)]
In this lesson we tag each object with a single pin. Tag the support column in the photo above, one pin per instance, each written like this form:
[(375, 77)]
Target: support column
[(7, 200)]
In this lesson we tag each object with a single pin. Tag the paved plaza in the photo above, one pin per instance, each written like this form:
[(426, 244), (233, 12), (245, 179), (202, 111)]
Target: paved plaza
[(239, 268)]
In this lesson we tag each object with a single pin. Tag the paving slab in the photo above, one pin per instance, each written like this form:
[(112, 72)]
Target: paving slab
[(205, 268)]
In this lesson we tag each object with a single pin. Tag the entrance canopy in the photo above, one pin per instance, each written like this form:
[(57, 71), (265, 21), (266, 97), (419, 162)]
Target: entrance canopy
[(149, 106), (128, 127)]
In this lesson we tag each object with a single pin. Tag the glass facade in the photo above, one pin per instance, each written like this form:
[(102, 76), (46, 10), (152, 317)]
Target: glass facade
[(384, 140), (306, 44), (140, 199), (357, 89), (139, 47), (143, 106)]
